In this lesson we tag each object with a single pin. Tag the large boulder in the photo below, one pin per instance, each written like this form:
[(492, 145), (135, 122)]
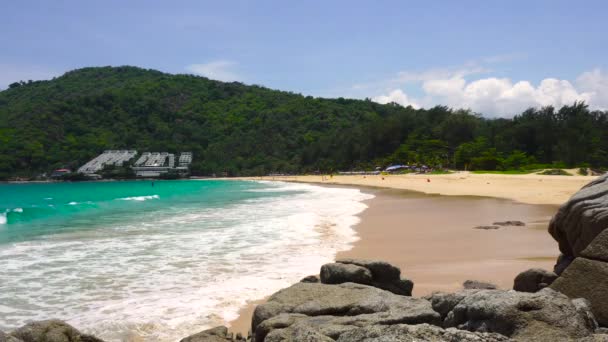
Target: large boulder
[(542, 316), (380, 270), (533, 280), (383, 275), (598, 248), (337, 273), (416, 333), (302, 331), (51, 331), (588, 279), (8, 338), (217, 334), (583, 217), (332, 309)]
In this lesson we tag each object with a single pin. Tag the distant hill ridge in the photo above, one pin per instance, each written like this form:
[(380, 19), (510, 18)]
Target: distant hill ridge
[(251, 130)]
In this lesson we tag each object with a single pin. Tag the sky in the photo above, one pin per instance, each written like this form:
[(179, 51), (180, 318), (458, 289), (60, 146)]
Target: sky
[(496, 58)]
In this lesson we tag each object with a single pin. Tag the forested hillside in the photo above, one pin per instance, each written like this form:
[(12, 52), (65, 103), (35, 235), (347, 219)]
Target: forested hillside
[(251, 130)]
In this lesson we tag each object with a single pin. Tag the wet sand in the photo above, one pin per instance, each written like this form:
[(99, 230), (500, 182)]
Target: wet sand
[(431, 238)]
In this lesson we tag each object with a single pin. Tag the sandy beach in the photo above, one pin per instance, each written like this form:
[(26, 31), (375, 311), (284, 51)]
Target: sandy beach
[(434, 242), (432, 237), (528, 188)]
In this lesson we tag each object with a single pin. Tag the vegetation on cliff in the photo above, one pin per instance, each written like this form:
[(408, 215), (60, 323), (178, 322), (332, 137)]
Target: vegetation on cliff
[(251, 130)]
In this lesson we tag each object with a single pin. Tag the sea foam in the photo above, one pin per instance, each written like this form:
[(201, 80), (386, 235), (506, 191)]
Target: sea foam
[(139, 198), (163, 275)]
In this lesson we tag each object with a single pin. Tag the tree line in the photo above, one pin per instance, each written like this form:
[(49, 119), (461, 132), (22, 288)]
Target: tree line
[(251, 130)]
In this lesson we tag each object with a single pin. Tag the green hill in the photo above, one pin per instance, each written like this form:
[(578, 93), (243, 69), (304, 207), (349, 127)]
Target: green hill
[(251, 130)]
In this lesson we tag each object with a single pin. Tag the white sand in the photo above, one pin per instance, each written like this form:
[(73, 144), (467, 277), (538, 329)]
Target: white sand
[(530, 188)]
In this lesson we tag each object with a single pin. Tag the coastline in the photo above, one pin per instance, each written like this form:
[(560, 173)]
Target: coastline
[(527, 188), (440, 251)]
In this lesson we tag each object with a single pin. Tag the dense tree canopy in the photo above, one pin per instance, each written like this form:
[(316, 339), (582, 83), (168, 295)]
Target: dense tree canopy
[(251, 130)]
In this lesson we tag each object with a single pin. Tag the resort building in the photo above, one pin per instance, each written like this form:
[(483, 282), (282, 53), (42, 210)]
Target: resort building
[(149, 164), (108, 157)]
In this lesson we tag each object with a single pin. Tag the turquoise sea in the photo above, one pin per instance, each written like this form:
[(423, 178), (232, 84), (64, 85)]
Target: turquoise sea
[(164, 259)]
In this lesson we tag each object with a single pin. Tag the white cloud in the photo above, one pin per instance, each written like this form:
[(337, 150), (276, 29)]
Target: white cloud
[(397, 96), (15, 73), (221, 70), (501, 97), (596, 84)]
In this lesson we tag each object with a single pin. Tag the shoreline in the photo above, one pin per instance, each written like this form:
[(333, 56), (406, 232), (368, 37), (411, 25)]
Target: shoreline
[(527, 188), (500, 254)]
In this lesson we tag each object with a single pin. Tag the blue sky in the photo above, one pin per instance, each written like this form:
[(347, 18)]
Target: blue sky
[(493, 57)]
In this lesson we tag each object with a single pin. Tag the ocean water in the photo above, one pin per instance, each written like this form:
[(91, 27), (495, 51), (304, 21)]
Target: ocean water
[(159, 261)]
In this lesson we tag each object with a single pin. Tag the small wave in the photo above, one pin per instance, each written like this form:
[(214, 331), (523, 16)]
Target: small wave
[(2, 218), (72, 203), (139, 198), (48, 198), (18, 210)]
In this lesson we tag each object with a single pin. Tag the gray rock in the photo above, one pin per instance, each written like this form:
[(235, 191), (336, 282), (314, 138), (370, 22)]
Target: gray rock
[(416, 333), (582, 218), (337, 273), (563, 261), (478, 285), (595, 338), (384, 276), (587, 279), (542, 316), (598, 248), (8, 338), (509, 223), (533, 280), (217, 334), (310, 279), (381, 270), (52, 330), (333, 309), (289, 327)]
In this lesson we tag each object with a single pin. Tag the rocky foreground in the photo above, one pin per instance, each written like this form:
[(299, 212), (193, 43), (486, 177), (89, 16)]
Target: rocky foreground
[(362, 300)]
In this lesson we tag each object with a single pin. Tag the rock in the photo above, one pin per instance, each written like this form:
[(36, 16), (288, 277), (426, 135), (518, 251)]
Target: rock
[(381, 270), (582, 218), (217, 334), (333, 309), (595, 338), (288, 328), (478, 285), (416, 333), (542, 316), (509, 223), (310, 279), (533, 280), (598, 248), (486, 227), (563, 261), (337, 273), (52, 330), (587, 279), (384, 276), (8, 338)]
